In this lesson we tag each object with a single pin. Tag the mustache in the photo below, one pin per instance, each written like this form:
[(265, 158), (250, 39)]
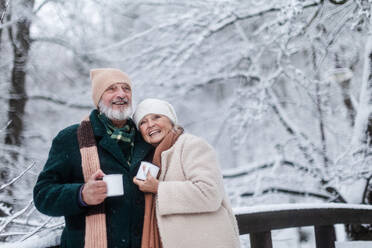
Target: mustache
[(120, 100)]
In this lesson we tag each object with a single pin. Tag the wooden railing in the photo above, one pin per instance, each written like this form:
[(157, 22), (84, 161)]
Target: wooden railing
[(259, 221)]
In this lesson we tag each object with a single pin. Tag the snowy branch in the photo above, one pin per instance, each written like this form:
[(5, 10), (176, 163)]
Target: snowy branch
[(37, 229), (244, 172), (41, 5), (364, 108), (8, 24), (224, 78), (338, 2), (2, 187), (289, 192), (60, 101), (6, 125), (293, 130), (9, 219), (229, 20), (4, 9)]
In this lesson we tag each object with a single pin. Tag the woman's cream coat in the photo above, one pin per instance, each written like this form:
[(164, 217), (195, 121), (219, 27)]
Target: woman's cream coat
[(192, 209)]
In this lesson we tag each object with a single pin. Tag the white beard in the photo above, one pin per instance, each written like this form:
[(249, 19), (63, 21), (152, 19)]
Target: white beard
[(119, 115)]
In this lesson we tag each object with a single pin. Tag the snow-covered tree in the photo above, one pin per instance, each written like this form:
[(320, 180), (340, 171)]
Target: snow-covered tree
[(281, 88)]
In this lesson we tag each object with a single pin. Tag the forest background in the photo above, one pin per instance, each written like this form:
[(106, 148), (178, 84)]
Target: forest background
[(282, 89)]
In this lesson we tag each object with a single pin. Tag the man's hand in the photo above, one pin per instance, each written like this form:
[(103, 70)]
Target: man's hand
[(149, 186), (95, 190)]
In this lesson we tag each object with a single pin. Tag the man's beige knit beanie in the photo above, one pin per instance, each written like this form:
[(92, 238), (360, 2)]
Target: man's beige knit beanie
[(102, 78)]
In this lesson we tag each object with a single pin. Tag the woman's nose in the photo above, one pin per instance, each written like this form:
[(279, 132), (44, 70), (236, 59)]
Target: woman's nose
[(151, 123)]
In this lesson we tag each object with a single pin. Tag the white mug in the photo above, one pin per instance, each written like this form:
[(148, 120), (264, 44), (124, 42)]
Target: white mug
[(146, 167), (114, 184)]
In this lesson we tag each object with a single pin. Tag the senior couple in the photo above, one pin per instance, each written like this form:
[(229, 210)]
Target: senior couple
[(183, 207)]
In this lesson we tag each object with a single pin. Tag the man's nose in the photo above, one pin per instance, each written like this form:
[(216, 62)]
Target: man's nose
[(120, 92)]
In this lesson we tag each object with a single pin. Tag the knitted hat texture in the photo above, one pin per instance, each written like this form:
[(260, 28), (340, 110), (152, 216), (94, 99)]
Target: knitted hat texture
[(102, 78), (154, 106)]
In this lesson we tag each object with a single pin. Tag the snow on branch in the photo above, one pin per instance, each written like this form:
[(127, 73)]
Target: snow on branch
[(37, 229), (293, 130), (2, 187), (17, 227), (45, 238), (364, 111), (9, 219), (224, 78), (41, 5), (60, 101), (229, 20), (6, 126), (338, 2), (138, 36), (8, 24), (270, 190), (5, 10), (83, 57), (254, 169)]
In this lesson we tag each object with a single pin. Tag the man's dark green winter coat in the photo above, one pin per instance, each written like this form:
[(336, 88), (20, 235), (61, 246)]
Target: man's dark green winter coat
[(56, 192)]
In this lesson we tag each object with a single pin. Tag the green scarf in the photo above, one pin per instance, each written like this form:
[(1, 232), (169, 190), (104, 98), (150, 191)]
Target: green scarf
[(123, 136)]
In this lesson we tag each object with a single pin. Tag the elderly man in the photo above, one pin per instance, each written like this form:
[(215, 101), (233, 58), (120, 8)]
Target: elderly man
[(71, 185)]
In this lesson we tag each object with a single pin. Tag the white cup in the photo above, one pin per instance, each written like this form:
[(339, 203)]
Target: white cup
[(114, 184), (146, 167)]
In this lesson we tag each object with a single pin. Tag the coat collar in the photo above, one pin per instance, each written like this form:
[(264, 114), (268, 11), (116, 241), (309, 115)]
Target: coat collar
[(165, 155), (99, 129), (141, 148)]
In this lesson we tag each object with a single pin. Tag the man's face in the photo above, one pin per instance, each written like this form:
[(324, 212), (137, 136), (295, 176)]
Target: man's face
[(116, 102), (117, 97)]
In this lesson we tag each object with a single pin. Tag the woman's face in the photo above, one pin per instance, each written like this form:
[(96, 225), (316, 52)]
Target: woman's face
[(154, 127)]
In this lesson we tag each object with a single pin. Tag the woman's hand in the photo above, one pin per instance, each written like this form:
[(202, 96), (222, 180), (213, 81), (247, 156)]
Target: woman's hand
[(149, 186)]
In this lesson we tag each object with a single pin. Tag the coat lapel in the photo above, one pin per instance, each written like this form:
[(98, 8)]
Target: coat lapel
[(164, 161), (113, 148), (141, 149)]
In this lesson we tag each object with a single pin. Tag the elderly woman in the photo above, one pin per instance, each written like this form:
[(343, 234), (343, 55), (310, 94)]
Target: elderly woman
[(186, 206)]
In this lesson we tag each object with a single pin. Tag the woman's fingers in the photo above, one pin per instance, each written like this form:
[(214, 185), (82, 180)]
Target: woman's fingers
[(138, 182), (148, 176)]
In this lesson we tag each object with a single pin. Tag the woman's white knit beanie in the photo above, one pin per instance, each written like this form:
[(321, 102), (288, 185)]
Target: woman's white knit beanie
[(154, 106)]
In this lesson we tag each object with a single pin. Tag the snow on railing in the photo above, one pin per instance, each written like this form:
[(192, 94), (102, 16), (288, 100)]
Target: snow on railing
[(258, 221)]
